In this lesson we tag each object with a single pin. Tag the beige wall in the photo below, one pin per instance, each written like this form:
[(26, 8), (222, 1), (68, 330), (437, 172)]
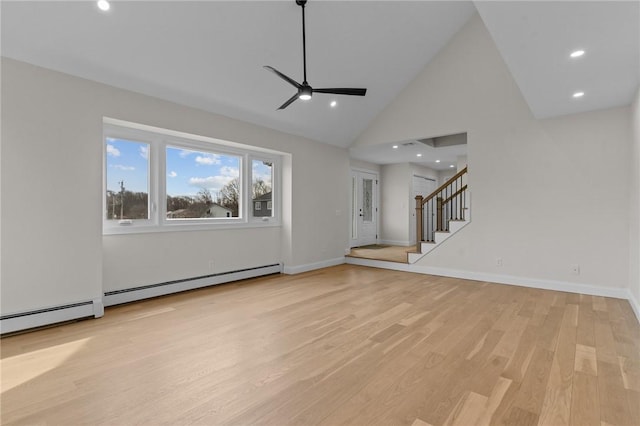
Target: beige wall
[(634, 199), (364, 165), (394, 204), (544, 194), (52, 146)]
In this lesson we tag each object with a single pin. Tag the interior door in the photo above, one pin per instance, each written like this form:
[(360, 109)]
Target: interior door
[(364, 208), (421, 186)]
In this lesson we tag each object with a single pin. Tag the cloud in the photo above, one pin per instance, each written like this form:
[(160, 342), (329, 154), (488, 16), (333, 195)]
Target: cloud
[(144, 152), (214, 183), (208, 159), (260, 172), (229, 171), (113, 151), (172, 174), (185, 153), (124, 168)]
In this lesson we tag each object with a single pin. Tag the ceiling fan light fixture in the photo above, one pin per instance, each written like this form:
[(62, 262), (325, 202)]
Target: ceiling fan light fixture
[(305, 93)]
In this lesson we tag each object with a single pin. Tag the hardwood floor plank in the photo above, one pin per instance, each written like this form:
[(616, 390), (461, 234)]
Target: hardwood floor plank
[(585, 405), (586, 360), (614, 408), (586, 319), (556, 408), (630, 370)]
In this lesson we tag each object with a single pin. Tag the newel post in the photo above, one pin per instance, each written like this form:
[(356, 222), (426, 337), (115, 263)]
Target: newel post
[(419, 220)]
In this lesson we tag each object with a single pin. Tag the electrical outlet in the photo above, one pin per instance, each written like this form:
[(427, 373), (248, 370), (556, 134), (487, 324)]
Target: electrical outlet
[(575, 269), (499, 261)]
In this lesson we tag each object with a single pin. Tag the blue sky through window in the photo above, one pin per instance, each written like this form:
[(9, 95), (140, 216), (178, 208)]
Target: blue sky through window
[(262, 170), (191, 171), (188, 171), (127, 161)]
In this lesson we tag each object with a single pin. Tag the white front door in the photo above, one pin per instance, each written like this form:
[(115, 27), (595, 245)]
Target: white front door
[(421, 186), (364, 208)]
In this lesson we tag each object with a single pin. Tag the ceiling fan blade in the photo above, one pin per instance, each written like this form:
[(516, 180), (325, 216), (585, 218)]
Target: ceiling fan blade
[(289, 102), (344, 91), (284, 77)]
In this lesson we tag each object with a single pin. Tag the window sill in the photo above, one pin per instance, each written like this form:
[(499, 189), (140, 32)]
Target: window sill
[(189, 227)]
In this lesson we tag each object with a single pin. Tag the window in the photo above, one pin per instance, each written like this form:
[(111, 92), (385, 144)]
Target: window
[(262, 187), (160, 180), (215, 177), (127, 180)]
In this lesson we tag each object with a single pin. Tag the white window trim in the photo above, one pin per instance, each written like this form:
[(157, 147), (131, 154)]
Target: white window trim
[(158, 140), (257, 205), (276, 190)]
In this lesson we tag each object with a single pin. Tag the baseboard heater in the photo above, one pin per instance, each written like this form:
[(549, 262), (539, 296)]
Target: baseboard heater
[(153, 290), (47, 316)]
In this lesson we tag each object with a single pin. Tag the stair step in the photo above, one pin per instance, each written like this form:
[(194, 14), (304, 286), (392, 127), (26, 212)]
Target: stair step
[(440, 236)]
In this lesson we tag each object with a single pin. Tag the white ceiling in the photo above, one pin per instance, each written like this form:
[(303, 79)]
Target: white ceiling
[(209, 54), (535, 39), (441, 158)]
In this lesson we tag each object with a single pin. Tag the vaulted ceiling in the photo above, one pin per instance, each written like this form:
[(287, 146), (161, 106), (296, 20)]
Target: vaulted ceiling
[(210, 55)]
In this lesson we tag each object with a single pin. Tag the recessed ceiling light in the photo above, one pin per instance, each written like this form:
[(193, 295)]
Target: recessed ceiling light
[(333, 104), (577, 53), (451, 166), (395, 147), (418, 155), (437, 161), (103, 5), (578, 94)]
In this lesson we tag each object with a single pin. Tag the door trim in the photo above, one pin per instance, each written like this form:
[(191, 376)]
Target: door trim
[(354, 173)]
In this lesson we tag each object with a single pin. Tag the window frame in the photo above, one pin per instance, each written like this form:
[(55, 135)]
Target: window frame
[(161, 139), (276, 169)]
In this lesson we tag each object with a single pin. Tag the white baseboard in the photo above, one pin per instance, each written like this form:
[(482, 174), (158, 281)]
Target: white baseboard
[(634, 304), (145, 292), (378, 264), (618, 293), (292, 270), (52, 315)]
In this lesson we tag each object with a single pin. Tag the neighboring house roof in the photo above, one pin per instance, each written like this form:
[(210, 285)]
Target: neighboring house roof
[(264, 197)]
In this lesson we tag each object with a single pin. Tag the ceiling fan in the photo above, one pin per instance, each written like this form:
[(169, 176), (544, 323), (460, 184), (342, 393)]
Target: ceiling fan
[(304, 90)]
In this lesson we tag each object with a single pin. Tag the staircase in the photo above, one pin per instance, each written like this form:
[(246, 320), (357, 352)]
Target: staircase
[(440, 215)]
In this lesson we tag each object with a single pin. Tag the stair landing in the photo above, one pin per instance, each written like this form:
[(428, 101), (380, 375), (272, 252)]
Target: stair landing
[(383, 252)]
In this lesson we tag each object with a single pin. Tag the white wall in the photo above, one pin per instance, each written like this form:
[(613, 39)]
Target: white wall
[(52, 156), (634, 199), (364, 165), (424, 171), (544, 194), (395, 206), (398, 205)]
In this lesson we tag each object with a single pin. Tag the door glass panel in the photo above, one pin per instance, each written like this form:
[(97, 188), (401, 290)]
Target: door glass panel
[(367, 200)]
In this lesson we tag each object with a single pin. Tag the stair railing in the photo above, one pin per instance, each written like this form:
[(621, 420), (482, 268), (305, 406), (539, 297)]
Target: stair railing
[(443, 205)]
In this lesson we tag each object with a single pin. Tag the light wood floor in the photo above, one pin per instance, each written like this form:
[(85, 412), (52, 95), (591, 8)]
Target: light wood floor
[(389, 253), (344, 345)]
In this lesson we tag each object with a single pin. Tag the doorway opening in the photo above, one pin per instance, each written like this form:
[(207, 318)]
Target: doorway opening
[(364, 208)]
